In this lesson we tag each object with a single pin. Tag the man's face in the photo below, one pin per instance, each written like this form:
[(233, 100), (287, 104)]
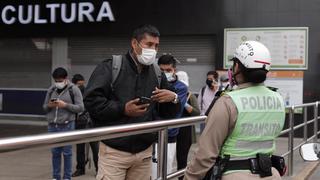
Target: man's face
[(169, 71), (148, 42), (167, 68), (59, 80), (80, 83), (60, 83)]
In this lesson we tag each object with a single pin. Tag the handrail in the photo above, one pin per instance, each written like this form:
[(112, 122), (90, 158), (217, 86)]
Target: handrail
[(80, 136), (304, 124)]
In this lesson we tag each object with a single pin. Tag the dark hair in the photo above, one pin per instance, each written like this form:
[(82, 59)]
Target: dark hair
[(167, 59), (214, 73), (141, 31), (59, 72), (256, 75), (76, 78)]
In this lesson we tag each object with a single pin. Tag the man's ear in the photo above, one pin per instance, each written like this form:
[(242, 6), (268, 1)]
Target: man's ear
[(133, 43)]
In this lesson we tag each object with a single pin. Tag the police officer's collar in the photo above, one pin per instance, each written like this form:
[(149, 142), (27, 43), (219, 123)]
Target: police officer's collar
[(249, 84)]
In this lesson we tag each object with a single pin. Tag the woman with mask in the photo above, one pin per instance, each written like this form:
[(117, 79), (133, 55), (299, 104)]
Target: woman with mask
[(233, 140), (207, 93)]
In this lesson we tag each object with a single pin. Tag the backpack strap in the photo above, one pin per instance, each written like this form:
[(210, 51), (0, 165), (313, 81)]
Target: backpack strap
[(71, 94), (51, 91), (116, 66), (202, 92), (158, 73)]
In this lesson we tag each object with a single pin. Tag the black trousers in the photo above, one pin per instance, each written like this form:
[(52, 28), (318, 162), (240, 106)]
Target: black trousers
[(184, 141), (81, 155)]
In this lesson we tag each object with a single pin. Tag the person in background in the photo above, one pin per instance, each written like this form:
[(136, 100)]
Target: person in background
[(186, 134), (207, 93), (83, 121), (168, 65), (63, 101), (224, 82), (140, 93)]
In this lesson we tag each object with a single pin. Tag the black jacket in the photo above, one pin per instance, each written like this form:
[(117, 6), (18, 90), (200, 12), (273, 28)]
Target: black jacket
[(106, 104)]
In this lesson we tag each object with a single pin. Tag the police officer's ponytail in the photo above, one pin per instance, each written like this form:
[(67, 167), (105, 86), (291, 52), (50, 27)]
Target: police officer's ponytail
[(253, 75)]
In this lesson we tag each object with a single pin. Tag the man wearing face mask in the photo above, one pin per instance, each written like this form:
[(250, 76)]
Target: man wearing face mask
[(138, 94), (83, 121), (167, 64), (207, 93), (63, 101)]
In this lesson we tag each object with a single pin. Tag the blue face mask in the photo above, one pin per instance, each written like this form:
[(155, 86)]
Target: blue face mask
[(170, 77)]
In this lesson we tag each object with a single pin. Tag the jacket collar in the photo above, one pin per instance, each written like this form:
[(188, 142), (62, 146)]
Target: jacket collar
[(133, 63), (248, 84)]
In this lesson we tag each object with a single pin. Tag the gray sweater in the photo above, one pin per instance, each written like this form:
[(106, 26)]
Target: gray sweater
[(67, 114)]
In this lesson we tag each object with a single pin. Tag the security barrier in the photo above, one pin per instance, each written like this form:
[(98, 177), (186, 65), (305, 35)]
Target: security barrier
[(88, 135), (293, 127)]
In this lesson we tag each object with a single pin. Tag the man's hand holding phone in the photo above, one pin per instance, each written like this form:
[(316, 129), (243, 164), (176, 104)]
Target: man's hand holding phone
[(163, 95), (54, 102), (137, 107)]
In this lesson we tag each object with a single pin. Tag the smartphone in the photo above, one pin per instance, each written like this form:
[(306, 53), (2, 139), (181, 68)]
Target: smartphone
[(53, 99), (144, 100)]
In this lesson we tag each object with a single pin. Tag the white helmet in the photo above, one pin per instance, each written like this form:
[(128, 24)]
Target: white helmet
[(253, 55)]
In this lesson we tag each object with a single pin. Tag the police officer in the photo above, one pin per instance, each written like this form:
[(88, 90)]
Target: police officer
[(242, 126)]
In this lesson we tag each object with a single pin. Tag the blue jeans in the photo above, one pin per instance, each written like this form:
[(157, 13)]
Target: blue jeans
[(58, 151)]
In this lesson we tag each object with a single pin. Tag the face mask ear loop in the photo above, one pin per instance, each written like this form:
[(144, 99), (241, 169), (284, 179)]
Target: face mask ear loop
[(230, 77), (133, 50)]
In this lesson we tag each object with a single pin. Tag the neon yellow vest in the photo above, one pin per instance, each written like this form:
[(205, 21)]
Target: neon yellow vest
[(261, 116)]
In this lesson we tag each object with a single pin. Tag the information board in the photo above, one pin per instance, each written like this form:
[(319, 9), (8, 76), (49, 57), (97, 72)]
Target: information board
[(289, 84), (288, 45)]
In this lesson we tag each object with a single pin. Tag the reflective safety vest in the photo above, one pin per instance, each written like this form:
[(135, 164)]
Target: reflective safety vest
[(261, 116)]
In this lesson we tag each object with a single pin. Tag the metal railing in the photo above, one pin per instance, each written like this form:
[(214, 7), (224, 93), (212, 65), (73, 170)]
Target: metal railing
[(292, 127), (81, 136)]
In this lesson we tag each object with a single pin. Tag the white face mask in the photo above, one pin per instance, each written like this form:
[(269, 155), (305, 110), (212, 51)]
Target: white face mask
[(170, 77), (60, 85), (224, 84), (147, 57)]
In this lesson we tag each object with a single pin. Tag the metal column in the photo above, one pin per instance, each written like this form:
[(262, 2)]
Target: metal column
[(162, 154), (290, 145), (315, 129)]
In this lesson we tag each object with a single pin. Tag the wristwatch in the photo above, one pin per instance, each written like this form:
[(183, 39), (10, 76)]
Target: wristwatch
[(176, 99)]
